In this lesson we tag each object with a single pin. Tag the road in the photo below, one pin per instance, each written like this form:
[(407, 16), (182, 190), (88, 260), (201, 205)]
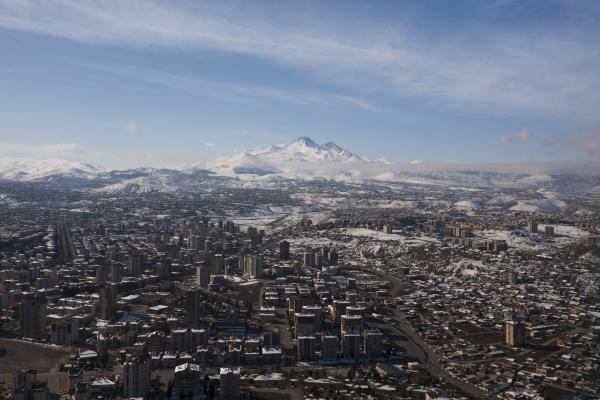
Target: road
[(66, 250), (418, 348), (431, 361)]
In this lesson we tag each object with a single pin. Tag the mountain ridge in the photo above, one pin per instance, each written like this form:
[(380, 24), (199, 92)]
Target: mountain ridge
[(300, 159)]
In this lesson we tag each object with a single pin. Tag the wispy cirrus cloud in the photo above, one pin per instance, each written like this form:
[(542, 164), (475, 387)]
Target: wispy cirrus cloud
[(550, 72), (237, 91), (521, 136), (41, 150)]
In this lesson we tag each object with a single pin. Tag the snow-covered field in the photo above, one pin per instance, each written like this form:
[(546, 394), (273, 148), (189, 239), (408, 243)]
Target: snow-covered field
[(6, 200), (142, 184), (570, 231), (468, 205), (466, 267), (369, 233), (271, 376), (564, 235), (296, 243), (539, 205)]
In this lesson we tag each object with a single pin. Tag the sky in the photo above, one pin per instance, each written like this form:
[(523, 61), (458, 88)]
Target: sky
[(130, 83)]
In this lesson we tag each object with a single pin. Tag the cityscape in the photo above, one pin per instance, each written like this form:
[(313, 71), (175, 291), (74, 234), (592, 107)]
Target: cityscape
[(176, 255)]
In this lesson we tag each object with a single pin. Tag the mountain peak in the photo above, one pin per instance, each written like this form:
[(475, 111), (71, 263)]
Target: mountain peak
[(306, 141), (304, 146), (334, 148)]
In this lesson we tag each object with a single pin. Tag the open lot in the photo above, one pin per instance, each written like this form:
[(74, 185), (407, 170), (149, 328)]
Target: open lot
[(485, 338), (16, 355)]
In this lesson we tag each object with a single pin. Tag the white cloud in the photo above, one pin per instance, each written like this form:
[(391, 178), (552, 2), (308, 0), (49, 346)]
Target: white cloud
[(416, 162), (501, 71), (210, 144), (131, 126), (58, 150), (522, 136)]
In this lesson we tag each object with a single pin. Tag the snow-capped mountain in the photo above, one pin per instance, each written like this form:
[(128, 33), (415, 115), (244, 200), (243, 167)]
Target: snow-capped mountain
[(29, 169), (302, 158), (303, 149)]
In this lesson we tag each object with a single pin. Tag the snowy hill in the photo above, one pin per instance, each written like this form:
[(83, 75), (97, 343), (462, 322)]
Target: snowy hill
[(141, 184), (28, 169)]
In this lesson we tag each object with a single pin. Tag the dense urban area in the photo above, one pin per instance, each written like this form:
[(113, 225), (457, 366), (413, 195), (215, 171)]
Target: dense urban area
[(305, 289), (300, 200)]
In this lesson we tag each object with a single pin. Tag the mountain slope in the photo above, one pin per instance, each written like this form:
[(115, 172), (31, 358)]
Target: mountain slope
[(302, 158), (28, 169)]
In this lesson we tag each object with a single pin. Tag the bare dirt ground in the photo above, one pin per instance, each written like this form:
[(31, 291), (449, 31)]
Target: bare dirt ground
[(16, 355)]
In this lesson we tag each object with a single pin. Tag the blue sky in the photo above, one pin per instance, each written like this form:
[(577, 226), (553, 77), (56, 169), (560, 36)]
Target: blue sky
[(129, 83)]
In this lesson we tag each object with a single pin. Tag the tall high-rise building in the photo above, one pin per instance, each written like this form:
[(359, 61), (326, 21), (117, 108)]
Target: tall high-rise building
[(187, 381), (101, 273), (532, 227), (329, 347), (306, 348), (333, 257), (284, 250), (218, 264), (163, 269), (230, 227), (101, 346), (356, 310), (32, 316), (318, 313), (252, 265), (134, 263), (202, 275), (510, 277), (229, 382), (514, 333), (108, 298), (192, 307), (309, 259), (373, 345), (26, 386), (318, 260), (339, 309), (207, 245), (351, 323), (136, 377), (549, 231), (304, 323), (116, 272), (351, 345), (351, 283), (64, 331)]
